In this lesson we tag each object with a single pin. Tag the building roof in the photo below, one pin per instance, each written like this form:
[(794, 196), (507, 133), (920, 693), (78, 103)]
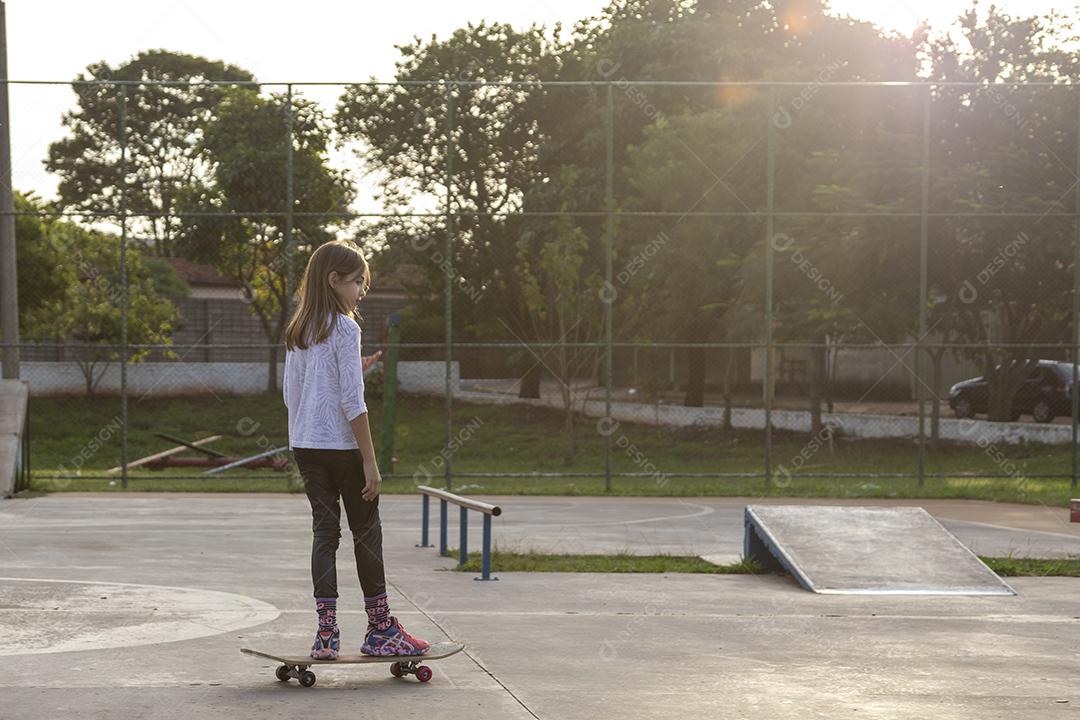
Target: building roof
[(396, 278), (194, 273)]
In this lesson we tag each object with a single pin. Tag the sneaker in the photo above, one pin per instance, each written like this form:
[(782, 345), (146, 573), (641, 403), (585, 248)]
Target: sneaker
[(327, 642), (394, 640)]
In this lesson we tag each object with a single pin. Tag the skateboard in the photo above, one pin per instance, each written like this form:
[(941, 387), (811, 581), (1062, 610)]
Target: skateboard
[(296, 666)]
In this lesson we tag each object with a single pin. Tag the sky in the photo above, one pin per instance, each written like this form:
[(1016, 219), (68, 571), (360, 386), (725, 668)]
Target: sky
[(318, 40)]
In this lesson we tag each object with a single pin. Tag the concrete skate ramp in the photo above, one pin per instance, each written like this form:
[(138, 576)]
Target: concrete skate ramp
[(866, 551)]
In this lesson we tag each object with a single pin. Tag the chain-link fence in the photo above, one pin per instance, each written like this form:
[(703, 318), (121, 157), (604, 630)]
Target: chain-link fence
[(656, 282)]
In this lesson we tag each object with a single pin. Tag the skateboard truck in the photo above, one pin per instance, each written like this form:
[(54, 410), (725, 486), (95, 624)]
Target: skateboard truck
[(397, 669)]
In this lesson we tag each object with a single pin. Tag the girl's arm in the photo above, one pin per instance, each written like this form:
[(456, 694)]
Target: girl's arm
[(351, 383), (362, 433)]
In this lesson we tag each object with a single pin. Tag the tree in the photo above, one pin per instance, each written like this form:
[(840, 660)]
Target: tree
[(703, 150), (565, 303), (236, 221), (999, 150), (688, 281), (91, 312), (162, 128), (44, 272), (402, 132)]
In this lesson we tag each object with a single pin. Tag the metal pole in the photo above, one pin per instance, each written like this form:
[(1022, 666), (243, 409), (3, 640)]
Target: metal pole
[(608, 313), (442, 528), (923, 248), (485, 560), (290, 201), (425, 514), (390, 393), (448, 290), (463, 532), (770, 206), (27, 474), (9, 287), (1076, 316), (123, 290), (246, 461)]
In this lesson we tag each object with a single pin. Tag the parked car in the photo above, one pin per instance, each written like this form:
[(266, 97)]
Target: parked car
[(1044, 394)]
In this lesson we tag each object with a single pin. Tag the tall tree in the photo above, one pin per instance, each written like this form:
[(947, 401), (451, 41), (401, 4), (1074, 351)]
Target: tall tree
[(1008, 151), (687, 150), (237, 220), (45, 275), (403, 131), (89, 310), (162, 128), (563, 294)]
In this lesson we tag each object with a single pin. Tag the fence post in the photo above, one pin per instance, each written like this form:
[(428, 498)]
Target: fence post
[(9, 294), (122, 121), (608, 314), (449, 272), (289, 209), (1076, 311), (289, 199), (390, 393), (770, 206), (920, 395)]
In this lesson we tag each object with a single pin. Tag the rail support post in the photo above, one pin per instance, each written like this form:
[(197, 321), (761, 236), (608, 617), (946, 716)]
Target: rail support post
[(464, 539), (442, 528), (426, 500), (486, 563)]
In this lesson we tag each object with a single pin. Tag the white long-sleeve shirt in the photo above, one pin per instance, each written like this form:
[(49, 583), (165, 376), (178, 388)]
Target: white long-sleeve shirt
[(323, 389)]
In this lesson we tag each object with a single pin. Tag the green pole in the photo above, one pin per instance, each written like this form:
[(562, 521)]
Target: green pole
[(608, 314), (448, 287), (289, 199), (923, 247), (9, 295), (289, 209), (770, 206), (123, 290), (390, 393), (1076, 317)]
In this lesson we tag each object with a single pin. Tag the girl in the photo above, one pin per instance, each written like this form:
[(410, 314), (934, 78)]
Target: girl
[(331, 444)]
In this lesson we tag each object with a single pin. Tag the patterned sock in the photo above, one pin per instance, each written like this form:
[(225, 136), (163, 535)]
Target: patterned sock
[(378, 611), (327, 609)]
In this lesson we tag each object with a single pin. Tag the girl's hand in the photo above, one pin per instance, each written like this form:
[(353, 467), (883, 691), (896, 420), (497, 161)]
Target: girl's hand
[(372, 478), (370, 360)]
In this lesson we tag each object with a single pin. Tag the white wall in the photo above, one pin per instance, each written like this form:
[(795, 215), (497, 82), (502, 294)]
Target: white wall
[(171, 378)]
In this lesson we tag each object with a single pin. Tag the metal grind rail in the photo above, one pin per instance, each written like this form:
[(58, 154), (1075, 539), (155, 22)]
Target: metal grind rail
[(487, 510)]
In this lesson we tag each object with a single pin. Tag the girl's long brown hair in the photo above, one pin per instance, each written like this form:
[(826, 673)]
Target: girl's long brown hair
[(318, 302)]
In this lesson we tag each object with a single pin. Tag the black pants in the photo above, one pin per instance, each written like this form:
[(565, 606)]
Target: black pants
[(327, 475)]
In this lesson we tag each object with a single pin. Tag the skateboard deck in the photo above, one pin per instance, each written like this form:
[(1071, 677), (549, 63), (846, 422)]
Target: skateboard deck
[(296, 666)]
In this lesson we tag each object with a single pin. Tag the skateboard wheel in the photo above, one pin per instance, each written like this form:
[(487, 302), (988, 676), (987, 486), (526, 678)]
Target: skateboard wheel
[(423, 673), (307, 678), (282, 673), (395, 669)]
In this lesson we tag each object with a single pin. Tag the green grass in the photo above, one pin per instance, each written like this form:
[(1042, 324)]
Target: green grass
[(627, 563), (1067, 567), (78, 436)]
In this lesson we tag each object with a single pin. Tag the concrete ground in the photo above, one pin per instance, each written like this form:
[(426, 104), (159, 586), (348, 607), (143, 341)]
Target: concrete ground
[(136, 605)]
